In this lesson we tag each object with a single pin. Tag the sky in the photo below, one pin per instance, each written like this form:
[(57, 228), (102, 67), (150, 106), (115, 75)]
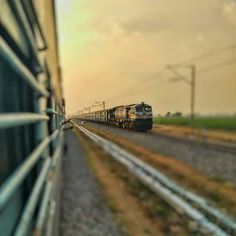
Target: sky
[(118, 51)]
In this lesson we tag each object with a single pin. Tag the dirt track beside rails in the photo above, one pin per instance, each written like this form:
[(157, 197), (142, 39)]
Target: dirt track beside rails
[(204, 134), (84, 209), (214, 163)]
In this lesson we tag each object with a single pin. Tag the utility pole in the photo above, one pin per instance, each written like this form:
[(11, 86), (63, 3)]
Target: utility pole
[(81, 112), (87, 109), (193, 75), (192, 84), (101, 103)]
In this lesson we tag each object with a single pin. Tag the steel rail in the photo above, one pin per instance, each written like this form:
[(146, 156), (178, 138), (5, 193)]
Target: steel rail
[(22, 227), (164, 181), (172, 199), (17, 177), (7, 53), (8, 120), (201, 203)]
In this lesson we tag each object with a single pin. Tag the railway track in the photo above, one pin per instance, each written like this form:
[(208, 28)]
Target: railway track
[(220, 146), (209, 220), (214, 145)]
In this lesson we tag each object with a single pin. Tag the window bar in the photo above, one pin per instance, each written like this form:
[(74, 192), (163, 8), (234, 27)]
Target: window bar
[(8, 120), (11, 184), (29, 209), (26, 25), (33, 15), (52, 111), (20, 68), (43, 209)]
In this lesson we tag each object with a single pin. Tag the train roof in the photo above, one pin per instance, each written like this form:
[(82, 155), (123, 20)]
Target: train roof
[(136, 104), (130, 105)]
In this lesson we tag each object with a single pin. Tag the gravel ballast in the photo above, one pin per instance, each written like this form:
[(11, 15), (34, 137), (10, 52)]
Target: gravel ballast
[(84, 211), (214, 163)]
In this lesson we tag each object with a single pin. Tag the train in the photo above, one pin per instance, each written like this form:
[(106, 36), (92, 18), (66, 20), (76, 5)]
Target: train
[(137, 117), (32, 109)]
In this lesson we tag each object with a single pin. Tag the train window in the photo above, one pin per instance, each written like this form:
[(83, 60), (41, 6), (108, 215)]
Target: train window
[(21, 87), (147, 108), (139, 108), (143, 108)]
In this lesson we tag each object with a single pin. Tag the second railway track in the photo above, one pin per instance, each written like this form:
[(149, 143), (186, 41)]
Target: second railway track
[(200, 157), (214, 145), (210, 220)]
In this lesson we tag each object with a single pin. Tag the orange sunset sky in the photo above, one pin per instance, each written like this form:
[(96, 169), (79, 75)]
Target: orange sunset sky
[(117, 51)]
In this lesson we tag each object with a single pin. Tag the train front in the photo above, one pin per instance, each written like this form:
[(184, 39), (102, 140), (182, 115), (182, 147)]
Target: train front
[(143, 117)]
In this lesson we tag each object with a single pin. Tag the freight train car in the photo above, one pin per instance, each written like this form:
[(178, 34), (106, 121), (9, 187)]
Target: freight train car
[(137, 116)]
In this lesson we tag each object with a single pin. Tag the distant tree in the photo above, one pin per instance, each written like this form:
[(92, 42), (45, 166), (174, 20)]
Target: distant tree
[(177, 114), (168, 114)]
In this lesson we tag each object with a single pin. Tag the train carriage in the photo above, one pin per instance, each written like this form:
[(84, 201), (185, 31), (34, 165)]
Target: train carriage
[(31, 113)]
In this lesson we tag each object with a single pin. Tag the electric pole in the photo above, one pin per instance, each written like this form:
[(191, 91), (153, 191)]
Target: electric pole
[(81, 112), (87, 109), (193, 75), (192, 84), (101, 103)]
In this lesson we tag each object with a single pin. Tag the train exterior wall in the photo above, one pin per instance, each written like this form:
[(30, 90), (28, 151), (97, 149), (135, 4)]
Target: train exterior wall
[(30, 87)]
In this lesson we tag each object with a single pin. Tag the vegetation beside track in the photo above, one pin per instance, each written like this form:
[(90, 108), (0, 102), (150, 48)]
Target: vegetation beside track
[(225, 123)]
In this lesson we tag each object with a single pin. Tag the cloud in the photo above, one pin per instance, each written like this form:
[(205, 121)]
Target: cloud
[(229, 10), (108, 46), (66, 5), (155, 17)]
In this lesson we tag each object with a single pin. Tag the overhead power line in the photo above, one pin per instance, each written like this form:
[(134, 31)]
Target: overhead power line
[(216, 66), (134, 89), (131, 89), (201, 71), (145, 88), (209, 54)]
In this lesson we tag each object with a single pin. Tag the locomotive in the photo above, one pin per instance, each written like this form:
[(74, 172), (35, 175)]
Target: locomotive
[(136, 117)]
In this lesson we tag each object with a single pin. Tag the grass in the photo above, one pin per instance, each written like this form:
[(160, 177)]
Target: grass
[(225, 123)]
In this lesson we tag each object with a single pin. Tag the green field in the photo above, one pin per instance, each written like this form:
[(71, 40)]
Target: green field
[(226, 123)]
